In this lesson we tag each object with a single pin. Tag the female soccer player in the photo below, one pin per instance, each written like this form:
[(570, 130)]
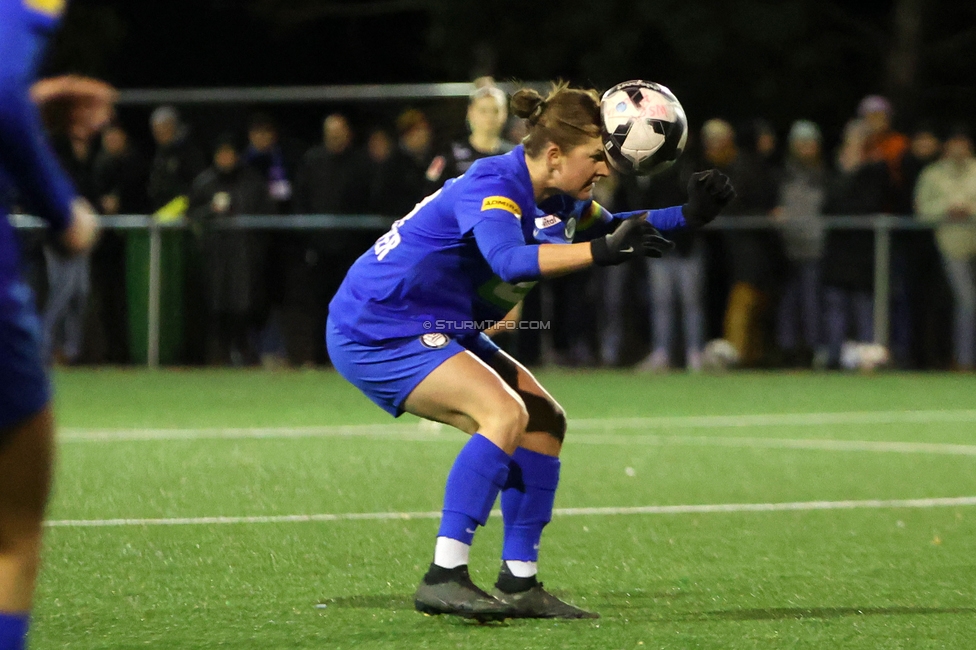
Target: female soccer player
[(487, 113), (404, 328), (26, 424)]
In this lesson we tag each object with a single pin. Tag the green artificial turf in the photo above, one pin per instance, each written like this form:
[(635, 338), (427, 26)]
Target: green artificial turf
[(189, 444)]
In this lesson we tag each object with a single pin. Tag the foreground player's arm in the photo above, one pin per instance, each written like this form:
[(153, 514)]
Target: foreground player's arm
[(24, 152), (501, 242), (708, 193)]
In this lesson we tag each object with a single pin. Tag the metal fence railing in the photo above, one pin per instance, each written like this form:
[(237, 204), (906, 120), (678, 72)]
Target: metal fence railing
[(882, 226)]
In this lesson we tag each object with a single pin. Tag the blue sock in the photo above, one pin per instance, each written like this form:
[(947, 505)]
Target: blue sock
[(527, 503), (13, 631), (473, 484)]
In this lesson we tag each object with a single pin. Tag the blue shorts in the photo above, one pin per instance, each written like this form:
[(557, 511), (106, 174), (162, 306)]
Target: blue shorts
[(24, 389), (388, 373)]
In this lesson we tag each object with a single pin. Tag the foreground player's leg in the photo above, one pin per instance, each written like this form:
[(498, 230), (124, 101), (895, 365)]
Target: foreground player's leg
[(528, 498), (25, 474), (464, 392)]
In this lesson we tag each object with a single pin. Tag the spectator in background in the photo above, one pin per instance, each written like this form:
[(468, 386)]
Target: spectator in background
[(120, 174), (763, 145), (946, 195), (177, 160), (858, 189), (233, 258), (917, 267), (883, 144), (675, 281), (753, 255), (290, 254), (120, 177), (802, 195), (69, 282), (379, 148), (412, 171), (275, 158), (334, 178), (487, 114), (924, 149)]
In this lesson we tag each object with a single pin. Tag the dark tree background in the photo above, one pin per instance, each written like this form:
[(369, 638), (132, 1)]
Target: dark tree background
[(735, 58)]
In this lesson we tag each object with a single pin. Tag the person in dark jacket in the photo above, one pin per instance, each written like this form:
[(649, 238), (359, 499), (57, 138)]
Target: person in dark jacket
[(120, 176), (177, 160), (334, 178), (858, 189), (412, 171), (233, 259), (802, 193), (754, 255)]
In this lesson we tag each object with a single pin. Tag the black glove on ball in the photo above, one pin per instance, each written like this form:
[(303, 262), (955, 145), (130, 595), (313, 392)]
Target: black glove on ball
[(708, 193), (633, 237)]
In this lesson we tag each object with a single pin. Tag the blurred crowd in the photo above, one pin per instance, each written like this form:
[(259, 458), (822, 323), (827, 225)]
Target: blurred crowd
[(793, 295)]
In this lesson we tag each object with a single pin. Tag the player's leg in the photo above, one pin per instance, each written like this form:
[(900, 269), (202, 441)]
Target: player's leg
[(464, 392), (529, 495), (26, 452)]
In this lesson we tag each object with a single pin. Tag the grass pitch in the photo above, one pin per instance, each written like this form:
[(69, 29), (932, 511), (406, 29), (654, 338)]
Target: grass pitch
[(170, 523)]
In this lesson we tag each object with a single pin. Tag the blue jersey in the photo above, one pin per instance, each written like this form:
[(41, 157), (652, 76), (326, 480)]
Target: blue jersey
[(29, 170), (464, 256), (28, 167)]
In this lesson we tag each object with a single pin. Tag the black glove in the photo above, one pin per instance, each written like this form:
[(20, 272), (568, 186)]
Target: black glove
[(632, 238), (708, 193)]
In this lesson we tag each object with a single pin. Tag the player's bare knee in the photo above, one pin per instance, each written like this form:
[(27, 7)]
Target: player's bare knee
[(508, 422)]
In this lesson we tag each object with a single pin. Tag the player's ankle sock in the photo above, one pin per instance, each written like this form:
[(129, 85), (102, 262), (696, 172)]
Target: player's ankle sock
[(527, 502), (473, 484), (13, 631), (437, 574), (516, 577), (450, 553)]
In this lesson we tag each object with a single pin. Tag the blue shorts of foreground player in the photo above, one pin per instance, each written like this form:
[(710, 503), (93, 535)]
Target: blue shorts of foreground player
[(388, 373), (24, 388)]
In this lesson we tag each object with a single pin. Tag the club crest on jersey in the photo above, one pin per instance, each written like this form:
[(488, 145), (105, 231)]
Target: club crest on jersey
[(434, 340), (501, 203), (52, 8), (570, 228)]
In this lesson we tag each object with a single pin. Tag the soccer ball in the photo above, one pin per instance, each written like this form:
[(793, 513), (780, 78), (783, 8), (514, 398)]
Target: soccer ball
[(644, 127)]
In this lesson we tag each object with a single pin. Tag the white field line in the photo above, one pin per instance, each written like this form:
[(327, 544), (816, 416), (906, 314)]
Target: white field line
[(559, 512), (430, 432), (412, 431)]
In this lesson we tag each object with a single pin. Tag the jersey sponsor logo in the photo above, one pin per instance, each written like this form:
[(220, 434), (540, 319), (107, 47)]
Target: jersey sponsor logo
[(541, 223), (434, 340), (52, 8), (501, 203)]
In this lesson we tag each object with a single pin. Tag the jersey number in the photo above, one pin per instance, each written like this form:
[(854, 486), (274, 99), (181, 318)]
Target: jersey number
[(391, 240)]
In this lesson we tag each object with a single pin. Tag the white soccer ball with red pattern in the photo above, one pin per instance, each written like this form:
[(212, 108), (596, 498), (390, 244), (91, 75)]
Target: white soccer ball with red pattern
[(644, 127)]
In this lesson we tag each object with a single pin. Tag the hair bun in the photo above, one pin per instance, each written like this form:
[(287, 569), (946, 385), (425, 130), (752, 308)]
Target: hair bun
[(528, 103)]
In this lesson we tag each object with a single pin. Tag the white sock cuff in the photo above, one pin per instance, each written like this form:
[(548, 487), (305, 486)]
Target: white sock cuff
[(450, 553), (522, 569)]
